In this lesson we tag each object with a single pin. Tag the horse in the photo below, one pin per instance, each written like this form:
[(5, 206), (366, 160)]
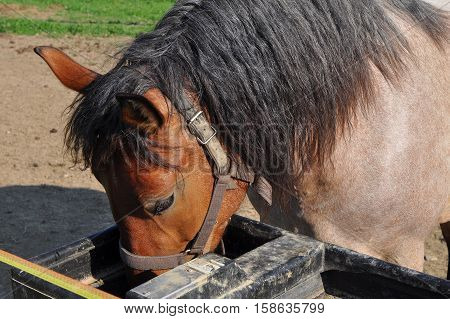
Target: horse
[(340, 108)]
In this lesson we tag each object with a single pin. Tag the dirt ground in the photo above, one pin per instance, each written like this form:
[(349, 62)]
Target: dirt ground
[(44, 201)]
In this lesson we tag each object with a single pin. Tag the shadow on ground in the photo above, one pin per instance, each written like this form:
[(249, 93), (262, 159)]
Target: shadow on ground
[(36, 219)]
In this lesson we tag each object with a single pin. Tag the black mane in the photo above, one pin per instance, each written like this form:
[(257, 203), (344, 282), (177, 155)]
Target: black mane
[(279, 78)]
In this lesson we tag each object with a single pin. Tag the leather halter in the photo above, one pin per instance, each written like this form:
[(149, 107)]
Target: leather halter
[(224, 170)]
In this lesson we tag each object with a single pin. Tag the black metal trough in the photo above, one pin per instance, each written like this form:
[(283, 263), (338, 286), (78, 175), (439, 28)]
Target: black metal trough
[(260, 261)]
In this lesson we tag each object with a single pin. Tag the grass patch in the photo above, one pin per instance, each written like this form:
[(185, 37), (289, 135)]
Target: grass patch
[(95, 17), (55, 28)]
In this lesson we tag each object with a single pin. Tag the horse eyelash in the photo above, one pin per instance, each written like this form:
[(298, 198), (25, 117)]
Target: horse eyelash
[(163, 205)]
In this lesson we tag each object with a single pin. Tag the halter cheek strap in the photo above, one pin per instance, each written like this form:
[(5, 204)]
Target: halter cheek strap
[(196, 248), (223, 171)]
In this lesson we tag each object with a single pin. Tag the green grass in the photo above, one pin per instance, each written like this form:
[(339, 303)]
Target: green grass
[(92, 17)]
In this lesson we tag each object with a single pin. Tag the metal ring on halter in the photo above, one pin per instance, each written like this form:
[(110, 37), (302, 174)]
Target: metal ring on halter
[(202, 142), (195, 117)]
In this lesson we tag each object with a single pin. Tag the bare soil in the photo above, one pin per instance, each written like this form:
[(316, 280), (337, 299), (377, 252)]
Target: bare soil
[(44, 201)]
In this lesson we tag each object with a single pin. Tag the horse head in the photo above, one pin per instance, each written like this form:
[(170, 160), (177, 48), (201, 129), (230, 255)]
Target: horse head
[(161, 207)]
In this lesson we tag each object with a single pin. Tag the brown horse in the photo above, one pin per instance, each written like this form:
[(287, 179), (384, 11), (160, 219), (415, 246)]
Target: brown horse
[(342, 105)]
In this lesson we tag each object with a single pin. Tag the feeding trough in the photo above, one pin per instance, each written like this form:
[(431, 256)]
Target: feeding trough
[(260, 261)]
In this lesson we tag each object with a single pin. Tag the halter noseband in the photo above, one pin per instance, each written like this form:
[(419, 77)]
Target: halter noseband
[(224, 170)]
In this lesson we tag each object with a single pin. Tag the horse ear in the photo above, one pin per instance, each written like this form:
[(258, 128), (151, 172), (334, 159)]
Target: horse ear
[(73, 75), (138, 112)]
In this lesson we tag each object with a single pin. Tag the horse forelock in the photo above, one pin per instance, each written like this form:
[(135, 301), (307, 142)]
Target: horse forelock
[(277, 78)]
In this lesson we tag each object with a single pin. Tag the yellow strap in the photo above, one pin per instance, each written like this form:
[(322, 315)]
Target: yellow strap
[(53, 277)]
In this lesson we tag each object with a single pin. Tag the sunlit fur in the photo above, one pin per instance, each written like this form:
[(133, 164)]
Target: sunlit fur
[(279, 78)]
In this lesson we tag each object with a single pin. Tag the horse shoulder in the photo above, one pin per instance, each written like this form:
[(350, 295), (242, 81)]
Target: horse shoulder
[(386, 184)]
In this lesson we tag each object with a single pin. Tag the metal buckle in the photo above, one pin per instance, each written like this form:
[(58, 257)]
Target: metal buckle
[(196, 116), (209, 138)]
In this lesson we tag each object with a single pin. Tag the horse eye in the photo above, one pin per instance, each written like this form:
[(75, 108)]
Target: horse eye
[(163, 205)]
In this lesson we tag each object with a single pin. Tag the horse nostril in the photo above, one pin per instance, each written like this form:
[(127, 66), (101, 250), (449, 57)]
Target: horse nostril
[(163, 205)]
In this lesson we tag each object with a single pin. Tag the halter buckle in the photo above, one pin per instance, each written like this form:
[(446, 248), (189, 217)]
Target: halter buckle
[(202, 142)]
